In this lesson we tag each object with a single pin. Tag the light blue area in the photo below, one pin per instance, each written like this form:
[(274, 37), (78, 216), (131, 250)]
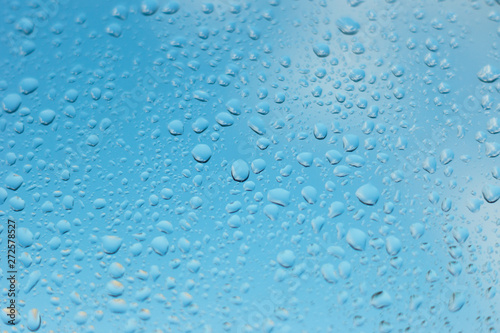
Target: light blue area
[(251, 166)]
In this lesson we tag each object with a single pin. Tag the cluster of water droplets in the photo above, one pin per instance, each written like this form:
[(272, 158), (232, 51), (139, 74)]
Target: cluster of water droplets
[(268, 166)]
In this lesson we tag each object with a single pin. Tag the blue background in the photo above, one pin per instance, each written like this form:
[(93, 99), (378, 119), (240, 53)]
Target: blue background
[(133, 74)]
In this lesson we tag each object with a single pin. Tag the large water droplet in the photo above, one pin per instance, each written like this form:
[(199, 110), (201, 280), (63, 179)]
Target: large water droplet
[(368, 194)]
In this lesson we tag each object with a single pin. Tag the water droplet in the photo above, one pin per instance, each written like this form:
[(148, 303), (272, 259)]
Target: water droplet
[(321, 50), (286, 258), (34, 320), (351, 142), (111, 244), (381, 300), (171, 8), (25, 25), (149, 7), (279, 196), (356, 239), (13, 181), (456, 302), (176, 127), (310, 194), (47, 116), (240, 170), (258, 165), (305, 159), (114, 29), (491, 193), (348, 26), (201, 153), (368, 194), (393, 245), (160, 245), (28, 85), (11, 103), (488, 74)]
